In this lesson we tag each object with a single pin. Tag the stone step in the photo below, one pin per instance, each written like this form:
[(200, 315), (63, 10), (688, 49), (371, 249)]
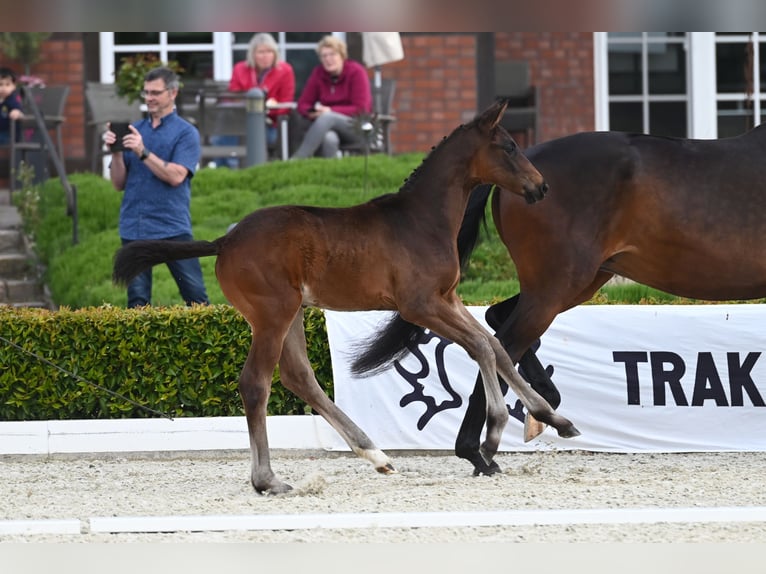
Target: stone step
[(16, 266), (15, 291), (11, 240)]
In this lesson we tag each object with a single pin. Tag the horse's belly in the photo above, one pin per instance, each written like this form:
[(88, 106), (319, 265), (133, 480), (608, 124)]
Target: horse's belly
[(696, 274)]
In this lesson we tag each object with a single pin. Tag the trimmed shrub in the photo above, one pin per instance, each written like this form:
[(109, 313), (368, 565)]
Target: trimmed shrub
[(179, 361)]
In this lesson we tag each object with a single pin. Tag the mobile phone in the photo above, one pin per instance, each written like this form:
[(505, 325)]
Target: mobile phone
[(121, 130)]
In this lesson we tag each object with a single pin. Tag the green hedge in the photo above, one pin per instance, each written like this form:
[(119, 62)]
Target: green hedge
[(182, 362)]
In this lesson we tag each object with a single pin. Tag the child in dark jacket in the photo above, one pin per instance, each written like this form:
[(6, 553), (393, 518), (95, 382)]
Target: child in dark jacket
[(10, 104)]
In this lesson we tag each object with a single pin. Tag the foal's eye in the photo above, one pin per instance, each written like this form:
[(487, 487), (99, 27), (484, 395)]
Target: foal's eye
[(509, 146)]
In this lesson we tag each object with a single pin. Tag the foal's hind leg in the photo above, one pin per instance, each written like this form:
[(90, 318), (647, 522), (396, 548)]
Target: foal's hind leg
[(297, 375)]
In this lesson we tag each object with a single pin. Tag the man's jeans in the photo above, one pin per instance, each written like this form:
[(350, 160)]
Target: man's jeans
[(186, 272)]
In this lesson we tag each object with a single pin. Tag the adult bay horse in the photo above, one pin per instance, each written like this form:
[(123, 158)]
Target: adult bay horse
[(683, 216), (395, 252)]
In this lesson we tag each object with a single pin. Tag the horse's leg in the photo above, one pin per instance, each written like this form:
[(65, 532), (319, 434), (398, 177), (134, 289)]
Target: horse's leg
[(254, 388), (297, 375), (529, 320), (453, 321), (499, 317), (518, 326)]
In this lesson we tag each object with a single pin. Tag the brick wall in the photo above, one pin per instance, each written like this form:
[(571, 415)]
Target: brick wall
[(561, 65), (435, 89), (436, 83)]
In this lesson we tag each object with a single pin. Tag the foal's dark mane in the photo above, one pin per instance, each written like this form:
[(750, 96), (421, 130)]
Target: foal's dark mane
[(413, 177)]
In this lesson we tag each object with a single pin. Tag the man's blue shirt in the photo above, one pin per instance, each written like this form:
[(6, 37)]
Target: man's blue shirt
[(151, 208)]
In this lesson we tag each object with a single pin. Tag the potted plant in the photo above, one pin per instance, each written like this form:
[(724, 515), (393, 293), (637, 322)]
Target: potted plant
[(129, 78), (24, 47)]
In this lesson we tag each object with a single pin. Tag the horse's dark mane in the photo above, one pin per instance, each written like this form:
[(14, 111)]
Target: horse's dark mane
[(413, 177)]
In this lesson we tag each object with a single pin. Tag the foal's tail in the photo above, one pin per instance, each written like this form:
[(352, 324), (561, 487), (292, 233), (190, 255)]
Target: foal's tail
[(137, 256), (396, 339), (392, 343)]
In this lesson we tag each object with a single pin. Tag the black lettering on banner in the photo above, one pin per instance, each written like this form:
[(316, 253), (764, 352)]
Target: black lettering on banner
[(739, 378), (671, 377), (707, 373), (631, 360), (668, 368)]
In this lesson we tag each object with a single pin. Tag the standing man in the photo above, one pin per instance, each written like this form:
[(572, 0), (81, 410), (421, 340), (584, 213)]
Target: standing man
[(155, 171)]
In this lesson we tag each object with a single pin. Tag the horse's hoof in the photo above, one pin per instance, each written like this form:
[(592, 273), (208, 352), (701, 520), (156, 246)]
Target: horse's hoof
[(387, 469), (487, 469), (532, 427), (273, 489), (569, 431)]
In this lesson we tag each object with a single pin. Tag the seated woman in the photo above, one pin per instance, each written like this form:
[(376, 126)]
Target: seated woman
[(336, 90), (261, 69)]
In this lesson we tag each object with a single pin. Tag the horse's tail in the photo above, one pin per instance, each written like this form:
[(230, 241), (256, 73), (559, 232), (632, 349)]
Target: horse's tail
[(137, 256), (390, 344), (474, 218)]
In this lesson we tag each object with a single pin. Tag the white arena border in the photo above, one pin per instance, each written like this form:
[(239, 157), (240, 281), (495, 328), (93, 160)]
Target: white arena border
[(274, 522), (162, 435), (156, 524)]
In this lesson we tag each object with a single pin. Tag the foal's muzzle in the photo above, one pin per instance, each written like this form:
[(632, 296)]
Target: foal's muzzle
[(536, 193)]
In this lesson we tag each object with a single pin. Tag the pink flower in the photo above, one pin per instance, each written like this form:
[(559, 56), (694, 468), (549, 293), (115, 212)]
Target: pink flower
[(32, 81)]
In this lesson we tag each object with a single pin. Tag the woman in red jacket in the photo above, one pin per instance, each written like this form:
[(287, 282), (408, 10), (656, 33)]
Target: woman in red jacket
[(336, 90), (262, 69)]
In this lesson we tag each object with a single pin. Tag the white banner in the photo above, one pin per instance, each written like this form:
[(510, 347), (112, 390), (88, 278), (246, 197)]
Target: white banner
[(633, 378)]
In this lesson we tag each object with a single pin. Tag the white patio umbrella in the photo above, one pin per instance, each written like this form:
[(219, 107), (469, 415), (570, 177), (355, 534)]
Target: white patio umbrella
[(379, 48)]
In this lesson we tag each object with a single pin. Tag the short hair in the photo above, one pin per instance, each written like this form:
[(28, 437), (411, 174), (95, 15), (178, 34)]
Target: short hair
[(8, 73), (335, 43), (163, 73), (261, 39)]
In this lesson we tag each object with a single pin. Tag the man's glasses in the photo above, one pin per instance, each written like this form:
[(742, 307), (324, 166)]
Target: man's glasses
[(153, 93)]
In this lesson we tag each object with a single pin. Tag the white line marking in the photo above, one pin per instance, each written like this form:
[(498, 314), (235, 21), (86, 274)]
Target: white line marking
[(39, 527), (425, 519)]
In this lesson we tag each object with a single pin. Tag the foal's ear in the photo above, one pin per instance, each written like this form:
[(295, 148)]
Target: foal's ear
[(490, 118)]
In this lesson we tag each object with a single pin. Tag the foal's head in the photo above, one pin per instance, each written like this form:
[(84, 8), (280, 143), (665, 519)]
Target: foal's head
[(500, 161)]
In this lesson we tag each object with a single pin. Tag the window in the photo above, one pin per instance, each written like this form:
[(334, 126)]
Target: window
[(740, 63), (644, 83), (207, 54), (647, 82)]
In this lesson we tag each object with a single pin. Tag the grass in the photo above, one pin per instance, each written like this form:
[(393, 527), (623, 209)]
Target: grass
[(80, 275)]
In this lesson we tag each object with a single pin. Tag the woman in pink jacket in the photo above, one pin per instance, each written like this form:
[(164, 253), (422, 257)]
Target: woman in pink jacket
[(336, 90)]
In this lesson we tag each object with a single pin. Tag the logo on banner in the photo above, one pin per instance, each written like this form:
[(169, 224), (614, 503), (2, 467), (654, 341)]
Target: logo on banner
[(426, 358)]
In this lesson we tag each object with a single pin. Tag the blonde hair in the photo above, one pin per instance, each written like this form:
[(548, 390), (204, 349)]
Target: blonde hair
[(261, 39), (334, 43)]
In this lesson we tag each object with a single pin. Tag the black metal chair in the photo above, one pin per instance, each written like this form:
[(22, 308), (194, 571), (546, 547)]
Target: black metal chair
[(51, 102), (522, 115), (378, 138)]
